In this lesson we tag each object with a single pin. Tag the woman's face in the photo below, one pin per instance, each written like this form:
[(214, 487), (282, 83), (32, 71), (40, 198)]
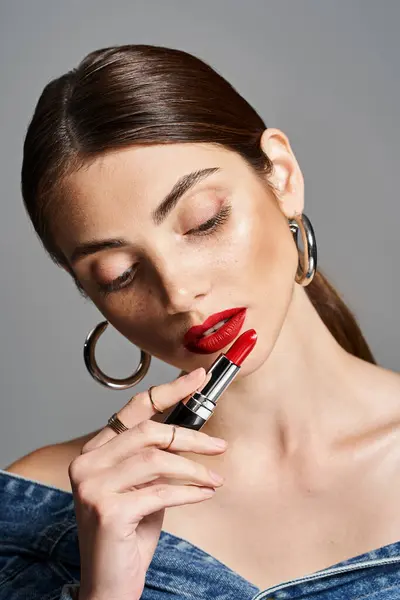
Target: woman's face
[(224, 244)]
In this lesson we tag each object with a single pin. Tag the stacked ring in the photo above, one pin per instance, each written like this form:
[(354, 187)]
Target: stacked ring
[(116, 425)]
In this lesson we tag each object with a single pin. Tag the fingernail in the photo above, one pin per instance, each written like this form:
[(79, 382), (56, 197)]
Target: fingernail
[(217, 478), (207, 491), (194, 374), (219, 442)]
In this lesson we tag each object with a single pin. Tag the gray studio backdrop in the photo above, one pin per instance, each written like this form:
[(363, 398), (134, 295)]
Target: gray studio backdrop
[(324, 71)]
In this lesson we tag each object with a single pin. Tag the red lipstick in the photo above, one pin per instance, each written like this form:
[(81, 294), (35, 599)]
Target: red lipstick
[(242, 347), (194, 411), (196, 341)]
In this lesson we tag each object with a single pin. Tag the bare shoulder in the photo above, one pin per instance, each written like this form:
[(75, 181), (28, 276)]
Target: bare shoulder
[(49, 464)]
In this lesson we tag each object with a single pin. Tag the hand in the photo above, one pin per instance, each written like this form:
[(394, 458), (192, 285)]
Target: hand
[(122, 484)]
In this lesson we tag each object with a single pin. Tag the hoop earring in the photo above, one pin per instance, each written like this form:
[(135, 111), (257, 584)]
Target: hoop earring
[(95, 371), (305, 272)]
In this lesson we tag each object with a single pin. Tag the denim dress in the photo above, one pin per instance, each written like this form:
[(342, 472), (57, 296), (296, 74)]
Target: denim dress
[(39, 559)]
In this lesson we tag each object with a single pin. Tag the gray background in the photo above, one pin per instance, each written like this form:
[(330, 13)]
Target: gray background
[(324, 71)]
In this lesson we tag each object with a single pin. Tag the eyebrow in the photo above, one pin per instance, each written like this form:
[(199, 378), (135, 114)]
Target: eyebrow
[(183, 185)]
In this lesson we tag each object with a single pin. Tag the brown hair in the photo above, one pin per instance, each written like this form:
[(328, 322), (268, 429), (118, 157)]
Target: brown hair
[(145, 94)]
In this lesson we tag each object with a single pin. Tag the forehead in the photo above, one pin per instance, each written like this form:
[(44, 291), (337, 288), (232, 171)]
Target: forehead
[(128, 184)]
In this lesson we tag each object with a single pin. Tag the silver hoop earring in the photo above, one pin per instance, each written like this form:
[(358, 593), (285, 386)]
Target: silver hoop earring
[(305, 272), (99, 375)]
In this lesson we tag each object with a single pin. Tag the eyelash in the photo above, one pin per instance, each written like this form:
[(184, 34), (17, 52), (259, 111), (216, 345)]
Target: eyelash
[(208, 227), (205, 229)]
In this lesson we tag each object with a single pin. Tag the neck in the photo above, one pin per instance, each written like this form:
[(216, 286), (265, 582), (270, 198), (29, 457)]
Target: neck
[(303, 399)]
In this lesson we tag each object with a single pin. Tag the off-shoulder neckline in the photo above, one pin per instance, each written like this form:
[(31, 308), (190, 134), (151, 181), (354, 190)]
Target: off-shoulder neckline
[(40, 484), (388, 550)]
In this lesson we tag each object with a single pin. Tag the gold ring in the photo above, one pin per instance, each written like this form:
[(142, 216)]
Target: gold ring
[(116, 425), (173, 436), (151, 400)]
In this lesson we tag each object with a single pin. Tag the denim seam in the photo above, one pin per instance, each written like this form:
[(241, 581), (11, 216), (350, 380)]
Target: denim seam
[(263, 594)]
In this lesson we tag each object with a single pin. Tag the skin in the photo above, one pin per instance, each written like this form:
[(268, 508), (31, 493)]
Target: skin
[(312, 430)]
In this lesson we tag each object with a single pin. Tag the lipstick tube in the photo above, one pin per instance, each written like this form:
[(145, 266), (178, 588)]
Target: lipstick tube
[(194, 411)]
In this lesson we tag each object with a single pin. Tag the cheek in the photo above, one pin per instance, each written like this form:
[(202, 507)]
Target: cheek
[(261, 243), (134, 315), (266, 256)]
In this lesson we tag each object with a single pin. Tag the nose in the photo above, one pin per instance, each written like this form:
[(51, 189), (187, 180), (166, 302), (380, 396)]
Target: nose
[(180, 300), (183, 287)]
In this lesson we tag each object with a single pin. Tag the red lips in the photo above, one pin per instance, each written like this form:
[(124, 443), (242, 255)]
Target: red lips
[(194, 342)]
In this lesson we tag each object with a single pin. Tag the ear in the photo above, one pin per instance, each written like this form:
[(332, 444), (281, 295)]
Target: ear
[(286, 176)]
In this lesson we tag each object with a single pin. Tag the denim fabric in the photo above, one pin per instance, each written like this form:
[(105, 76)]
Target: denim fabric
[(39, 559)]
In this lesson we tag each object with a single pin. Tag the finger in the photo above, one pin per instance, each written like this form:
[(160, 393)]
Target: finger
[(152, 434), (148, 500), (140, 408), (134, 505), (152, 464)]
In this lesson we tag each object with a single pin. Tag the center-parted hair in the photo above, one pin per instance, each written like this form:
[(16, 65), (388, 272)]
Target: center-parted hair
[(144, 94)]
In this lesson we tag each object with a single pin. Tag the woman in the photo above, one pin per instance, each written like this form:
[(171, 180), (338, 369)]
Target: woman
[(165, 197)]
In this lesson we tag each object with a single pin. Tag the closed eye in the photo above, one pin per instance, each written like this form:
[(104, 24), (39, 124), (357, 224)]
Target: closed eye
[(212, 224), (206, 228)]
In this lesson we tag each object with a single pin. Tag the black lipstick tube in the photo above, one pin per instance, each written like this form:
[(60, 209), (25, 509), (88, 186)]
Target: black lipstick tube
[(194, 411)]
